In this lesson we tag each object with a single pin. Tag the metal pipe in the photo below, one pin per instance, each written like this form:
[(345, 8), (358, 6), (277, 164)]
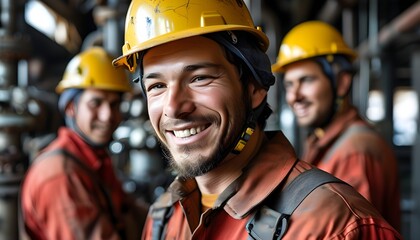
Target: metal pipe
[(63, 10), (13, 47), (414, 204), (330, 11), (405, 22)]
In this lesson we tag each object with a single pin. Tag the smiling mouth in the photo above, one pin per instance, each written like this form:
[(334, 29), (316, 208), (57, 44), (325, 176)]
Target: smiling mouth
[(188, 132), (103, 128), (300, 109)]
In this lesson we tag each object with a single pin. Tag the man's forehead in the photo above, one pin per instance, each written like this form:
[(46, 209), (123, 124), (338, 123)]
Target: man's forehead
[(101, 93), (183, 46)]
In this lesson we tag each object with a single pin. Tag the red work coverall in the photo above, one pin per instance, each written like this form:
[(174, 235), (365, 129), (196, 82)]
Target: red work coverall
[(352, 151), (65, 198), (332, 211)]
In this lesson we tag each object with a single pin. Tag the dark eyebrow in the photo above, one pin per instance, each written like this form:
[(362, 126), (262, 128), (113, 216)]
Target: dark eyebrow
[(193, 67), (301, 78), (151, 75), (308, 76), (188, 68)]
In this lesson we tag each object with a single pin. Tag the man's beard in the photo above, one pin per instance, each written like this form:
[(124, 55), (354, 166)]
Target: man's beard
[(198, 167), (203, 164)]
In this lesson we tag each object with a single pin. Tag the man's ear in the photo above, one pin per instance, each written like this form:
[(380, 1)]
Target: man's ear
[(344, 84), (70, 111), (257, 94)]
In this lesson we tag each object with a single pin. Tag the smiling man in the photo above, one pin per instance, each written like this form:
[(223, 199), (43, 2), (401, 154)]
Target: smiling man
[(71, 190), (205, 75), (317, 77), (196, 132), (308, 93)]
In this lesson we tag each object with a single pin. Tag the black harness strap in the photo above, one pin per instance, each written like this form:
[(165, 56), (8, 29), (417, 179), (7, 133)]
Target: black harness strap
[(350, 131), (271, 222), (160, 219), (160, 212), (96, 181)]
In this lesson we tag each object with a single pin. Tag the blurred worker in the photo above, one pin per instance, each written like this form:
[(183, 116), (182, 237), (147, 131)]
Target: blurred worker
[(317, 76), (71, 190), (206, 76)]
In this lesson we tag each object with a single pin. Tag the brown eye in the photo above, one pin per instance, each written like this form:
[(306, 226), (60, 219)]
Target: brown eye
[(155, 87)]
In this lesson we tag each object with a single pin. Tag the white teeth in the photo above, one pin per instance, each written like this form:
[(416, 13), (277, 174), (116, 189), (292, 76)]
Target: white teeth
[(193, 131), (188, 132)]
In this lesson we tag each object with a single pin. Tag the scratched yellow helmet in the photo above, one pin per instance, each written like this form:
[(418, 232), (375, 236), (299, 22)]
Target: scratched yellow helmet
[(150, 23), (311, 39), (93, 69)]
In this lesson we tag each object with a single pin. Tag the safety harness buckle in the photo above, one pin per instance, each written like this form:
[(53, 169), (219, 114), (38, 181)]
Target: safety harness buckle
[(267, 224)]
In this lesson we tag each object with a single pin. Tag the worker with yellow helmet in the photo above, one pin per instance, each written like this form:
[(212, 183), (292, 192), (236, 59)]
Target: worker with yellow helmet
[(71, 190), (317, 73), (205, 74)]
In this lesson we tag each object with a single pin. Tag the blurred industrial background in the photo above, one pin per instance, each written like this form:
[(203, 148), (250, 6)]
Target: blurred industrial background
[(39, 37)]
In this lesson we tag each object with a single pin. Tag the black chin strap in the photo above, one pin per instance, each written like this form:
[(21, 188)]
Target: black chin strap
[(326, 63), (71, 123), (250, 126)]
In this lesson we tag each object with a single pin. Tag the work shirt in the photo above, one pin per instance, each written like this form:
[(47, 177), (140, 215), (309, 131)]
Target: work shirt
[(332, 211), (71, 192), (354, 152)]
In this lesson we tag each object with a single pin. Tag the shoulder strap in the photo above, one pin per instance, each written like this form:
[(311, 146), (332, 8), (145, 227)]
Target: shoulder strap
[(160, 213), (272, 222), (95, 179), (160, 219), (355, 128)]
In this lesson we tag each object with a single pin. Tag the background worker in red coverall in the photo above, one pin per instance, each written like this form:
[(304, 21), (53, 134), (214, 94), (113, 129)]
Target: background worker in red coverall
[(205, 75), (316, 65), (71, 190)]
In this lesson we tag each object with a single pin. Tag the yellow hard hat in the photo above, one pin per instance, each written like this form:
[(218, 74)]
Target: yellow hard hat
[(311, 39), (150, 23), (93, 68)]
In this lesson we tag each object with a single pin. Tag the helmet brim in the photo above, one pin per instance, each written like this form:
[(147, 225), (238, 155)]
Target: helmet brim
[(173, 36)]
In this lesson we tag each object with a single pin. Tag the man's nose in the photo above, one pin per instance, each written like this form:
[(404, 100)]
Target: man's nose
[(105, 112), (294, 93), (179, 102)]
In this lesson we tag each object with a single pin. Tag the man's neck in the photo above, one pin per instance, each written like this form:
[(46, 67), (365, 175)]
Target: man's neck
[(319, 130), (217, 180)]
